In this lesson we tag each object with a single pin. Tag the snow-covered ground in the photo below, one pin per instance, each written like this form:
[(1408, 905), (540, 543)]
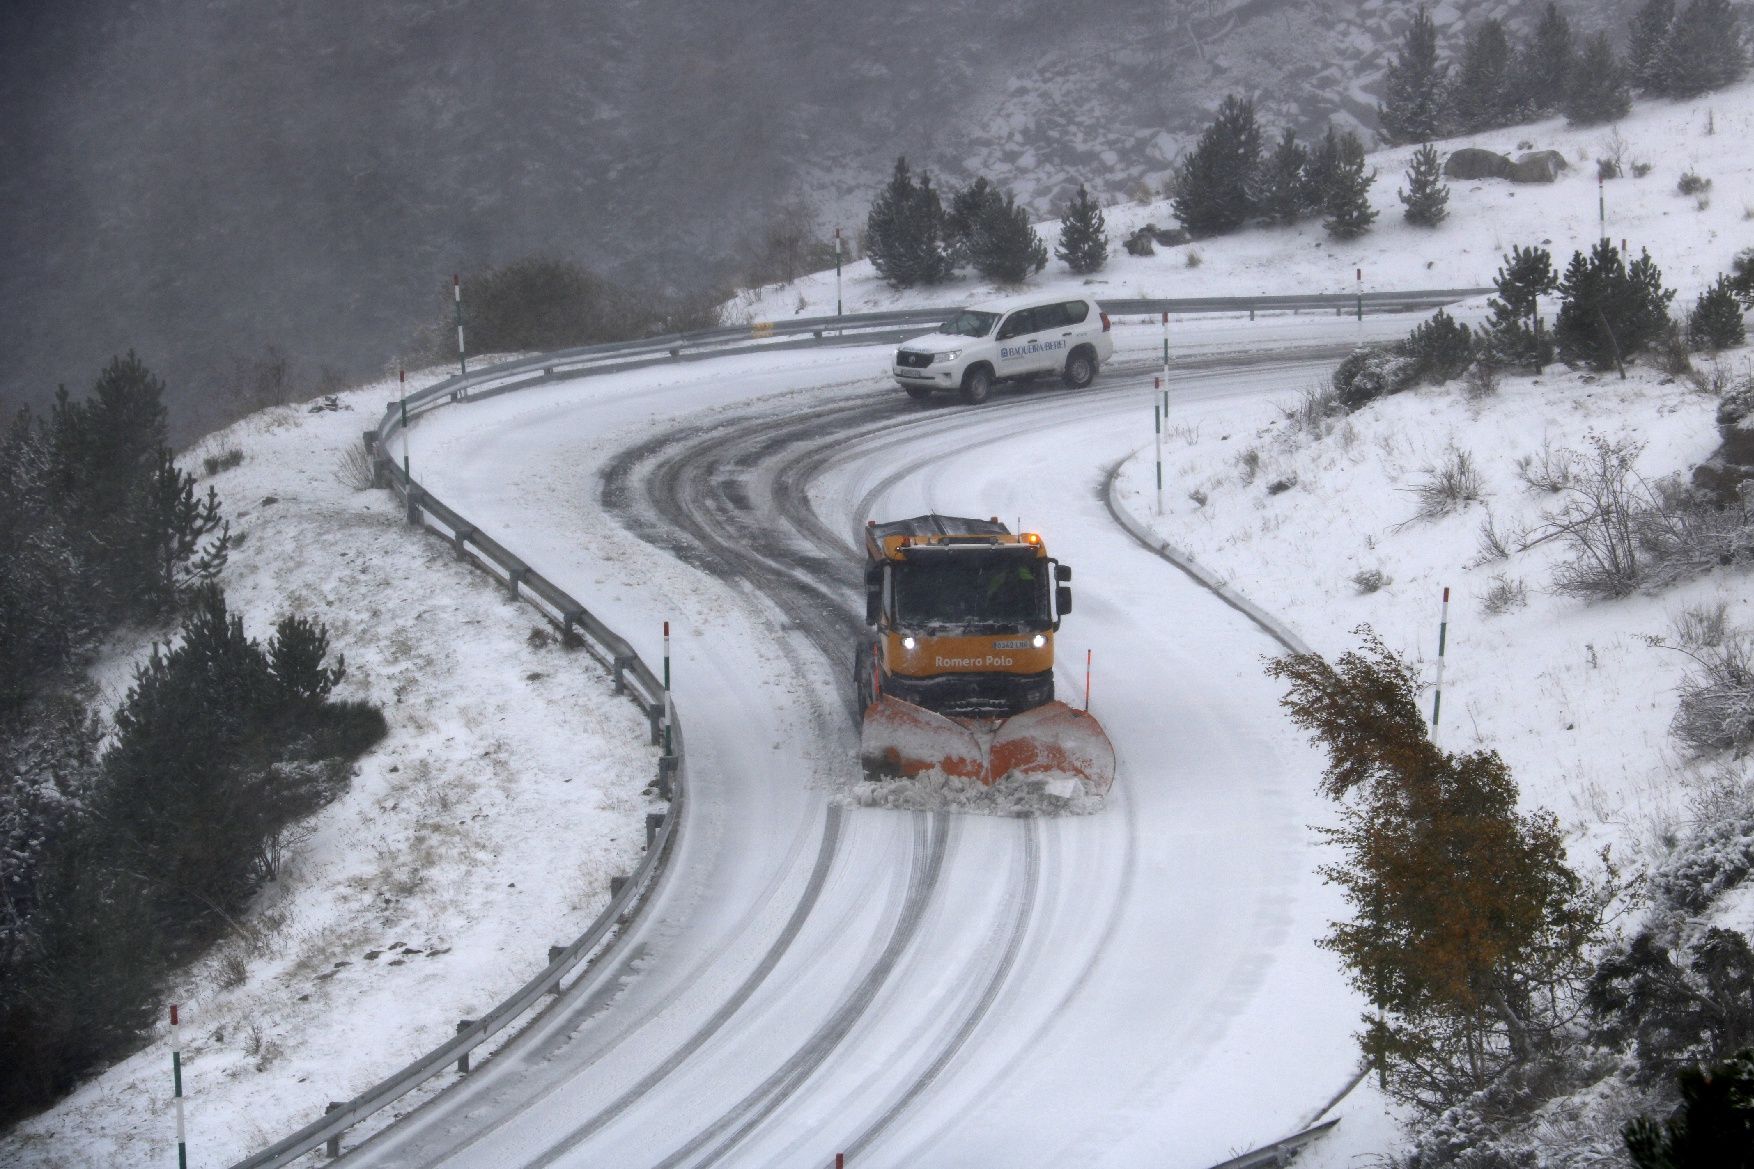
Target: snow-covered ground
[(449, 843)]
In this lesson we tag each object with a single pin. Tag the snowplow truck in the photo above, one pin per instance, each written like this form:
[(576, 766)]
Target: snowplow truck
[(957, 673)]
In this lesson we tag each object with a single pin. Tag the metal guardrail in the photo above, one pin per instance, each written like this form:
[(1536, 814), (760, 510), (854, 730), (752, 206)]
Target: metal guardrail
[(632, 675)]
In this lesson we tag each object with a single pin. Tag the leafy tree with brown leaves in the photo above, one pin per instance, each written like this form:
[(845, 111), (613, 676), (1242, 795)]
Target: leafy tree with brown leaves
[(1468, 929)]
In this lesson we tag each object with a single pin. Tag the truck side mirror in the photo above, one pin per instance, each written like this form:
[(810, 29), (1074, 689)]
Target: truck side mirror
[(1063, 600), (873, 593), (1062, 572)]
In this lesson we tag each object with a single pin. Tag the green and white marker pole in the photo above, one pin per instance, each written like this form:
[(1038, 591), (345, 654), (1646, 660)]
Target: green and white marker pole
[(1157, 413), (1601, 205), (837, 310), (457, 295), (669, 749), (1442, 640), (1360, 272), (177, 1080)]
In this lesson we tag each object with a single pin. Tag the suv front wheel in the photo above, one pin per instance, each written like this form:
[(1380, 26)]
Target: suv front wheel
[(977, 383), (1080, 369)]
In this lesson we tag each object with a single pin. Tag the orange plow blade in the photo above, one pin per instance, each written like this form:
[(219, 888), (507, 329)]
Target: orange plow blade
[(1060, 750)]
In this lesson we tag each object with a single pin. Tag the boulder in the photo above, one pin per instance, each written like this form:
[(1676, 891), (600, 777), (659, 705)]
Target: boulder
[(1537, 166), (1472, 163), (1139, 243)]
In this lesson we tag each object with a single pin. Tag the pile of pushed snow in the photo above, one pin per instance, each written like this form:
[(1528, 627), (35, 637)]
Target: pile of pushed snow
[(419, 897)]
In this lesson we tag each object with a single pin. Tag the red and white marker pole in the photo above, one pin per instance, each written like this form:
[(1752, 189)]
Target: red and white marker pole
[(177, 1079), (457, 293), (1442, 639), (667, 708)]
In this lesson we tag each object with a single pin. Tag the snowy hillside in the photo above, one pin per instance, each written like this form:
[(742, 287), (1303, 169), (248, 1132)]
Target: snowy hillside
[(441, 878)]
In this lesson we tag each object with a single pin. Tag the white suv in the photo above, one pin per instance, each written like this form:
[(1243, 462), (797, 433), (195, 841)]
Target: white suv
[(986, 343)]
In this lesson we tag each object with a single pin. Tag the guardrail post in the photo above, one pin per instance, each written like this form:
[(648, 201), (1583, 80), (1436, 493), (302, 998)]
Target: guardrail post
[(514, 577), (622, 661), (569, 636), (333, 1148), (413, 500), (654, 821), (463, 1060), (554, 953), (461, 537), (616, 885), (655, 715), (666, 770)]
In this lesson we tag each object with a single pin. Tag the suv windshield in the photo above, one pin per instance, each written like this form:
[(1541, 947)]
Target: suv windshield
[(969, 323), (972, 589)]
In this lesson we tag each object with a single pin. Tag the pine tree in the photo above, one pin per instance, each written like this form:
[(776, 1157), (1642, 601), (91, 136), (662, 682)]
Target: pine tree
[(1599, 91), (1512, 336), (1543, 70), (1349, 213), (1281, 194), (1480, 97), (1083, 240), (904, 231), (1713, 1128), (1609, 311), (179, 540), (1426, 196), (970, 207), (1741, 278), (1716, 320), (1214, 182), (1704, 50), (1413, 89), (1648, 45), (1321, 176), (1005, 246)]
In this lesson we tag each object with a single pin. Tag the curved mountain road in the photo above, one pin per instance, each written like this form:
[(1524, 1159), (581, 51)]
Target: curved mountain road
[(814, 977)]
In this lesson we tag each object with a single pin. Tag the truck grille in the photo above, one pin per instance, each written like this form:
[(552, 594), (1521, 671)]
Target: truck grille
[(908, 359)]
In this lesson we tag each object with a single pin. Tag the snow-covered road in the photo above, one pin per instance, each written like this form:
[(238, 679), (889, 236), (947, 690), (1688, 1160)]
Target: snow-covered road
[(1137, 986)]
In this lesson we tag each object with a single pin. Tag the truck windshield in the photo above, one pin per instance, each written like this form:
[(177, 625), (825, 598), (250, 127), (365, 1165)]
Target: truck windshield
[(967, 590), (969, 323)]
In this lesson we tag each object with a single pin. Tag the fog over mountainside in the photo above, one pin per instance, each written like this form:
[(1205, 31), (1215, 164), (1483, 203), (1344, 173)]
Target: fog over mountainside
[(202, 179)]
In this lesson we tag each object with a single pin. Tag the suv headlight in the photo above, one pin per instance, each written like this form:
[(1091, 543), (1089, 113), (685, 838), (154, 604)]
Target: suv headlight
[(950, 356)]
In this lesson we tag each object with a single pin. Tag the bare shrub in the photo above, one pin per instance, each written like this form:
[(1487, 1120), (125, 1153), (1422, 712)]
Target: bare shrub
[(222, 461), (1600, 521), (1716, 709), (353, 467), (1481, 381), (1370, 580), (1199, 497), (1702, 626), (231, 969), (1627, 533), (1503, 595), (1548, 470), (1447, 486), (1315, 407), (1249, 465), (1692, 184), (1494, 545), (1193, 259)]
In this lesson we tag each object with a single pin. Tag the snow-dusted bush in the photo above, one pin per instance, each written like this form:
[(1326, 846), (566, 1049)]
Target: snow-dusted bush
[(1503, 595), (1370, 580), (1439, 349), (1716, 320), (1716, 710), (1372, 372)]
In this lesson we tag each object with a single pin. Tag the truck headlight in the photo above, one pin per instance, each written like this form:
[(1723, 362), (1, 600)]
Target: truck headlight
[(908, 643), (1041, 639)]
